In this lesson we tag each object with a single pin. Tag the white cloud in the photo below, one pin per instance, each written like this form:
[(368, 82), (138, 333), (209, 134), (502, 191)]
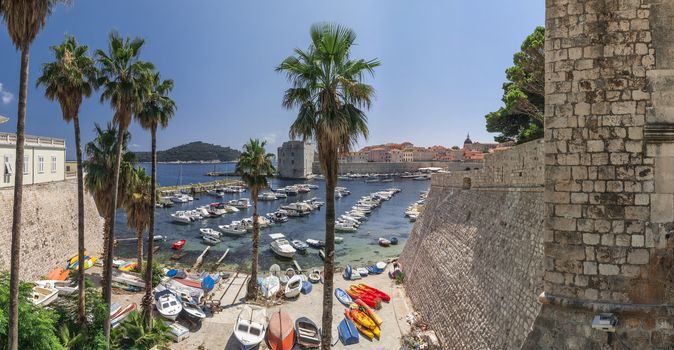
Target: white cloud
[(5, 96)]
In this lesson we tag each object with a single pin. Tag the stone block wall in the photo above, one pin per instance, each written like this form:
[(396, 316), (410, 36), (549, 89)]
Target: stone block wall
[(49, 234), (474, 260)]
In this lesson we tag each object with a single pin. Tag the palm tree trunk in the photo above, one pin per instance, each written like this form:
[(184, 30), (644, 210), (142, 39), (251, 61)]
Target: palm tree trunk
[(147, 299), (107, 287), (81, 313), (139, 249), (251, 293), (13, 335), (329, 264)]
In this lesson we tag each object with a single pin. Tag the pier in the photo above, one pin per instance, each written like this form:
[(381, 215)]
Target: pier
[(201, 187)]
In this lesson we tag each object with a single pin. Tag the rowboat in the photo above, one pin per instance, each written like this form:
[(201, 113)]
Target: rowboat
[(348, 333), (42, 296), (127, 279), (308, 333), (193, 312), (210, 240), (122, 315), (280, 332), (189, 282), (64, 287), (293, 287), (314, 276), (178, 244), (250, 326)]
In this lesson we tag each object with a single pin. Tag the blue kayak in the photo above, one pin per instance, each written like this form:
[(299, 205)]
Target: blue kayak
[(343, 297), (306, 287), (348, 333), (347, 272)]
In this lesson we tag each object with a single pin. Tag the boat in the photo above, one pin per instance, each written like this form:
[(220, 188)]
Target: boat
[(373, 291), (369, 312), (267, 196), (384, 242), (177, 245), (122, 315), (43, 296), (277, 217), (168, 304), (235, 228), (396, 271), (356, 317), (281, 247), (241, 203), (314, 243), (128, 279), (189, 282), (280, 332), (193, 311), (307, 332), (211, 240), (280, 193), (387, 180), (59, 274), (345, 227), (306, 287), (249, 328), (64, 287), (343, 297), (269, 285), (178, 332), (347, 272), (321, 253), (209, 232), (348, 333), (374, 270), (314, 276), (291, 191), (293, 287), (394, 240), (339, 239), (422, 178), (181, 217), (362, 271), (380, 265), (299, 245), (180, 198)]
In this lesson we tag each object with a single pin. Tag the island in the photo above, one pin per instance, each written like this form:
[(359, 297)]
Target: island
[(192, 152)]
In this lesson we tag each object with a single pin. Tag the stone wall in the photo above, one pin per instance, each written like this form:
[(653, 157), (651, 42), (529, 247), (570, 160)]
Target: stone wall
[(474, 260), (389, 168), (49, 234)]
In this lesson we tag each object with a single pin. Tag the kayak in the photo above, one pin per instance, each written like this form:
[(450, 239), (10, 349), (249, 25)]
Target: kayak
[(363, 330), (374, 291), (360, 304), (368, 299), (343, 297), (362, 318)]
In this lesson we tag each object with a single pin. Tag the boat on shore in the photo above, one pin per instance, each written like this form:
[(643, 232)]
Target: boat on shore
[(384, 242), (307, 332), (43, 296), (167, 304), (249, 328), (280, 332)]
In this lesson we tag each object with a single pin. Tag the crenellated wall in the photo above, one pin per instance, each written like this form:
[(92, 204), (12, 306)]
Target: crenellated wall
[(49, 227), (474, 260)]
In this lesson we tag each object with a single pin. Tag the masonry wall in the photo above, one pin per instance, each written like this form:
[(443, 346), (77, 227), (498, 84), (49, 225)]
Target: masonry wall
[(388, 168), (49, 234), (474, 260)]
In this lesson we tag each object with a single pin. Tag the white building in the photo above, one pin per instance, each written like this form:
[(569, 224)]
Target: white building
[(295, 159), (44, 159)]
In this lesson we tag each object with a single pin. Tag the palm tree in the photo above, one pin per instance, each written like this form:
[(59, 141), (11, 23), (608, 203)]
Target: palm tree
[(24, 21), (138, 207), (124, 80), (254, 167), (69, 79), (328, 89), (157, 111)]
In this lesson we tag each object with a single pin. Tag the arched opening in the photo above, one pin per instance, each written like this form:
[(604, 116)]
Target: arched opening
[(466, 183)]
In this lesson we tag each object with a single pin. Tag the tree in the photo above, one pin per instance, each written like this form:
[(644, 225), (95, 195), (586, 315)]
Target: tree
[(139, 207), (157, 111), (521, 118), (124, 82), (24, 21), (254, 167), (69, 79), (328, 90), (133, 335)]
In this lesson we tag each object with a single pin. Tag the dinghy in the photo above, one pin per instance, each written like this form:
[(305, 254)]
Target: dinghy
[(122, 315), (206, 231), (348, 333), (250, 326), (280, 333), (211, 240), (394, 240), (343, 297), (167, 304), (43, 296), (306, 287), (193, 312), (293, 287), (384, 242), (363, 272), (308, 334), (178, 244), (314, 276), (347, 272), (269, 285)]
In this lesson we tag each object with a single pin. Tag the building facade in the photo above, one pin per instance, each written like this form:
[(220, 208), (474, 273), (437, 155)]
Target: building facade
[(295, 159), (44, 159)]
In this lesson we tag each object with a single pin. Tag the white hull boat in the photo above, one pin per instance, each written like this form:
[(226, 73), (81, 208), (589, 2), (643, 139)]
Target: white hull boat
[(270, 285), (43, 296), (233, 229), (281, 247), (168, 304), (293, 287), (250, 325)]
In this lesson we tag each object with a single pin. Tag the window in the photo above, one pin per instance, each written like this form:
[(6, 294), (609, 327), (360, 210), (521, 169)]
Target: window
[(8, 169), (40, 164), (25, 165), (53, 164)]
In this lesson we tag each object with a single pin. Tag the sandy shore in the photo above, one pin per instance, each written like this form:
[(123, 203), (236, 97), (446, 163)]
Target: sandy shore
[(216, 331)]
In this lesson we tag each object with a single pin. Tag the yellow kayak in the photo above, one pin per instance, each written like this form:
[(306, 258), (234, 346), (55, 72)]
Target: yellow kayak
[(90, 262), (369, 312), (368, 333), (73, 259), (363, 319)]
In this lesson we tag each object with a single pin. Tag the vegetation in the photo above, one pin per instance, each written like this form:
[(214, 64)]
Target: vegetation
[(192, 152), (521, 119), (124, 80), (37, 325), (139, 207), (158, 108), (255, 167), (24, 21), (328, 90), (74, 336), (69, 79), (132, 334)]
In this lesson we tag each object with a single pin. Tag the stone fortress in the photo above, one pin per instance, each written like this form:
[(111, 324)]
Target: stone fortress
[(527, 251)]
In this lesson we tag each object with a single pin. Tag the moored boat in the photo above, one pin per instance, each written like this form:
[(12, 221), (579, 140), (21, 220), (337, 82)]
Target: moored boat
[(299, 245), (281, 247), (177, 245), (384, 242)]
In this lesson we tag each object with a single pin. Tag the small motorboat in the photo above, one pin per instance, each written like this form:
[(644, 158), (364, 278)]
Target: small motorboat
[(308, 333), (177, 245), (181, 218), (281, 247), (339, 239), (314, 243), (343, 297), (193, 312), (250, 326), (314, 276), (306, 287), (211, 240), (384, 242), (348, 333), (206, 231), (167, 304), (394, 240), (269, 285), (280, 332), (321, 253), (64, 287), (235, 228), (293, 287), (299, 245), (43, 296)]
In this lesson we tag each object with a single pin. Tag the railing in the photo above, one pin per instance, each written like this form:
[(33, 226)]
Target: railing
[(9, 138)]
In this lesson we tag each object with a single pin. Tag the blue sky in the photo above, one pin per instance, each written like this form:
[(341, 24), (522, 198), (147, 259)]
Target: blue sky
[(443, 64)]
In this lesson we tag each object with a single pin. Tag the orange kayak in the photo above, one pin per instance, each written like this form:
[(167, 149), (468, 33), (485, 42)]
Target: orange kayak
[(363, 306), (370, 300), (58, 274), (364, 331)]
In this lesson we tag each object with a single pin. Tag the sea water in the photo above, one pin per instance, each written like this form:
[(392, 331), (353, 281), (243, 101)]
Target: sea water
[(359, 249)]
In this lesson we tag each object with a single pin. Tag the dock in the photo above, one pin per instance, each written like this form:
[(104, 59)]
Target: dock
[(222, 257), (201, 187), (297, 266), (200, 259), (221, 173)]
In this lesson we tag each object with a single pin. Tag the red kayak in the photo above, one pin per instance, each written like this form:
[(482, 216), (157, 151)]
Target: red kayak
[(368, 299), (179, 244), (189, 282), (374, 291)]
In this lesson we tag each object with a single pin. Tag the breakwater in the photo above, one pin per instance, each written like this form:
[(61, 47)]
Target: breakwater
[(390, 168), (49, 227)]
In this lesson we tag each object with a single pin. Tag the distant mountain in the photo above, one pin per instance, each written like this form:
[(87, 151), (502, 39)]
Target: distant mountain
[(192, 152)]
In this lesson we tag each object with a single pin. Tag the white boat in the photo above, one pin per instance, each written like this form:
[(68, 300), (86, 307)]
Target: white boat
[(241, 203), (235, 228), (281, 247), (181, 217), (280, 193), (211, 240), (344, 227), (178, 332), (267, 196), (168, 304), (362, 271), (249, 328), (217, 192), (270, 285), (207, 231), (43, 296), (64, 287), (339, 239), (293, 287), (193, 311), (127, 278), (180, 198)]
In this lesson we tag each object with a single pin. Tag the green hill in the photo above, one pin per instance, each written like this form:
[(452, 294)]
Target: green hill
[(192, 152)]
